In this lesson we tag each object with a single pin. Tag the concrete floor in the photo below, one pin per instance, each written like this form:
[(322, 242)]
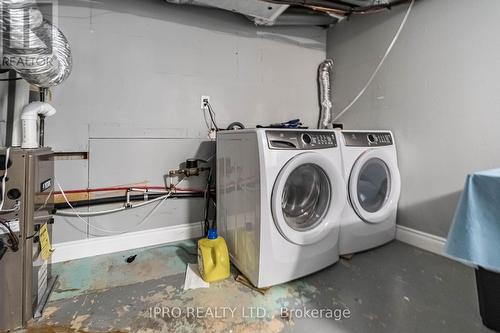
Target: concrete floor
[(394, 288)]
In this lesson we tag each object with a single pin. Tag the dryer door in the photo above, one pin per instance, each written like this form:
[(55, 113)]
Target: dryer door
[(374, 186), (308, 198)]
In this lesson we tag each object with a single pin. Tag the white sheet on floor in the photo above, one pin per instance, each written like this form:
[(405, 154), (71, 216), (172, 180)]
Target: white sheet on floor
[(193, 279)]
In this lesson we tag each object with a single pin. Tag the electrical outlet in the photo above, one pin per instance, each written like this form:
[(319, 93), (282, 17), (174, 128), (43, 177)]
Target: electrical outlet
[(212, 134), (203, 101)]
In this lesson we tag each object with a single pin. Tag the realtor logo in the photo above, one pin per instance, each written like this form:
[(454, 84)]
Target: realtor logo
[(26, 33)]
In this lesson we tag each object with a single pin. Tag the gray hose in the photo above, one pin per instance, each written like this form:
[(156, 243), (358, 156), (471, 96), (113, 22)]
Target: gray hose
[(325, 96), (32, 46)]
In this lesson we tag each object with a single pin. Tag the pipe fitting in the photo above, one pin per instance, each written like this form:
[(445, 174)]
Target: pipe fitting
[(29, 118)]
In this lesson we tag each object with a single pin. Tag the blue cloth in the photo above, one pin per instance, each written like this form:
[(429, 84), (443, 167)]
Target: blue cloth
[(474, 236)]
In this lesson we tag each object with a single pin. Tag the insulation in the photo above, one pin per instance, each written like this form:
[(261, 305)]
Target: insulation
[(325, 100)]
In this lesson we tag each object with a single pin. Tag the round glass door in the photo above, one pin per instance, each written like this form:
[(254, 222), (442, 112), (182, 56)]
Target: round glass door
[(306, 197), (373, 185)]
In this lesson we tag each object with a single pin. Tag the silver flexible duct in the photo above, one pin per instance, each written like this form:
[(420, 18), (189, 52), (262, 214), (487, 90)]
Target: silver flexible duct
[(325, 96), (32, 46)]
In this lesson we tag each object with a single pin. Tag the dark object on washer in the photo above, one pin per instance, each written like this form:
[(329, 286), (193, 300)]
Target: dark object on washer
[(294, 123), (235, 125), (488, 292)]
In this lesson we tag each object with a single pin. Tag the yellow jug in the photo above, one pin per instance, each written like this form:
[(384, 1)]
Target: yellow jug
[(213, 257)]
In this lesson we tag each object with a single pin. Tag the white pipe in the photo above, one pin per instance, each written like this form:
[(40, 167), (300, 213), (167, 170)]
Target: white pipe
[(29, 118)]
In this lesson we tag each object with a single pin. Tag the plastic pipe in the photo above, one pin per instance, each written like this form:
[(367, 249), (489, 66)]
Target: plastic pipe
[(121, 199), (29, 118)]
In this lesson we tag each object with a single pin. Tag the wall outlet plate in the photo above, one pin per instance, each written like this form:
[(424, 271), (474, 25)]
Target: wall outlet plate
[(212, 135), (203, 100)]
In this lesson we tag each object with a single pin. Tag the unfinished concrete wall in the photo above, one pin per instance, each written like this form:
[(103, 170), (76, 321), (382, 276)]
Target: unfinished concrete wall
[(438, 92), (133, 99)]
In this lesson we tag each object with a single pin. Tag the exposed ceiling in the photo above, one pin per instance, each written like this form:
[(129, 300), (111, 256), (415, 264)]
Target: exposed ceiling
[(296, 12)]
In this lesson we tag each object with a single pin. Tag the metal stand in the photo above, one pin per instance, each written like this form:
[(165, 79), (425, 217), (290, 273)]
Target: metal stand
[(43, 302), (41, 137)]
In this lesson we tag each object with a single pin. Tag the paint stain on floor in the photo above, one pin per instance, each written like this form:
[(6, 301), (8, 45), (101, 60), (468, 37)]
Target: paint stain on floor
[(162, 306), (106, 271), (106, 293)]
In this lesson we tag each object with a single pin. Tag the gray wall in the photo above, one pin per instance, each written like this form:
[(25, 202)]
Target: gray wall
[(438, 91), (133, 100)]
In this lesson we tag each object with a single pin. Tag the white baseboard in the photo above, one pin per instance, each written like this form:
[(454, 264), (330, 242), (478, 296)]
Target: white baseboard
[(420, 239), (133, 240)]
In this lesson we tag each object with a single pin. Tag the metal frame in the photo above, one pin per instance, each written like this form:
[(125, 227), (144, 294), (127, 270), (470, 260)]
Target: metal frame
[(19, 270)]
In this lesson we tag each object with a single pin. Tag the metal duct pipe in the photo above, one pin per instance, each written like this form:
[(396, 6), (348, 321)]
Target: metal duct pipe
[(325, 98), (32, 46), (264, 13), (294, 16)]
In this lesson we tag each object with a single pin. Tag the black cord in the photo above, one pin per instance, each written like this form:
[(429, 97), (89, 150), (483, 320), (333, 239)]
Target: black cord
[(17, 78), (235, 125), (3, 249), (14, 241), (211, 113), (206, 224), (214, 220), (34, 235), (183, 249)]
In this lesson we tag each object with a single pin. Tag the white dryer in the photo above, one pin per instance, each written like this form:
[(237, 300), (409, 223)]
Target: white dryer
[(373, 188), (280, 195)]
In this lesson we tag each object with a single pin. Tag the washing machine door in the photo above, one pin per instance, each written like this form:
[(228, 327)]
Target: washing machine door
[(308, 197), (374, 186)]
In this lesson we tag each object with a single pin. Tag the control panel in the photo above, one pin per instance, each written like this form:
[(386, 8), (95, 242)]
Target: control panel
[(367, 139), (301, 140)]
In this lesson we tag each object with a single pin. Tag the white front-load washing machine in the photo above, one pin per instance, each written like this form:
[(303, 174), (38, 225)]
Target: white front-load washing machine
[(280, 195), (373, 188)]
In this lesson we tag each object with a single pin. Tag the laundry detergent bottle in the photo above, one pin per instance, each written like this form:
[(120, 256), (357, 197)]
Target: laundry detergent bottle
[(213, 257)]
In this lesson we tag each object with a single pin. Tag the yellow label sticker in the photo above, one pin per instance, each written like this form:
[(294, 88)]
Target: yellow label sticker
[(45, 242)]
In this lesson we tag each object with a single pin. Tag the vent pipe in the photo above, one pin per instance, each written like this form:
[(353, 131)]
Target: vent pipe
[(29, 118), (325, 96)]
